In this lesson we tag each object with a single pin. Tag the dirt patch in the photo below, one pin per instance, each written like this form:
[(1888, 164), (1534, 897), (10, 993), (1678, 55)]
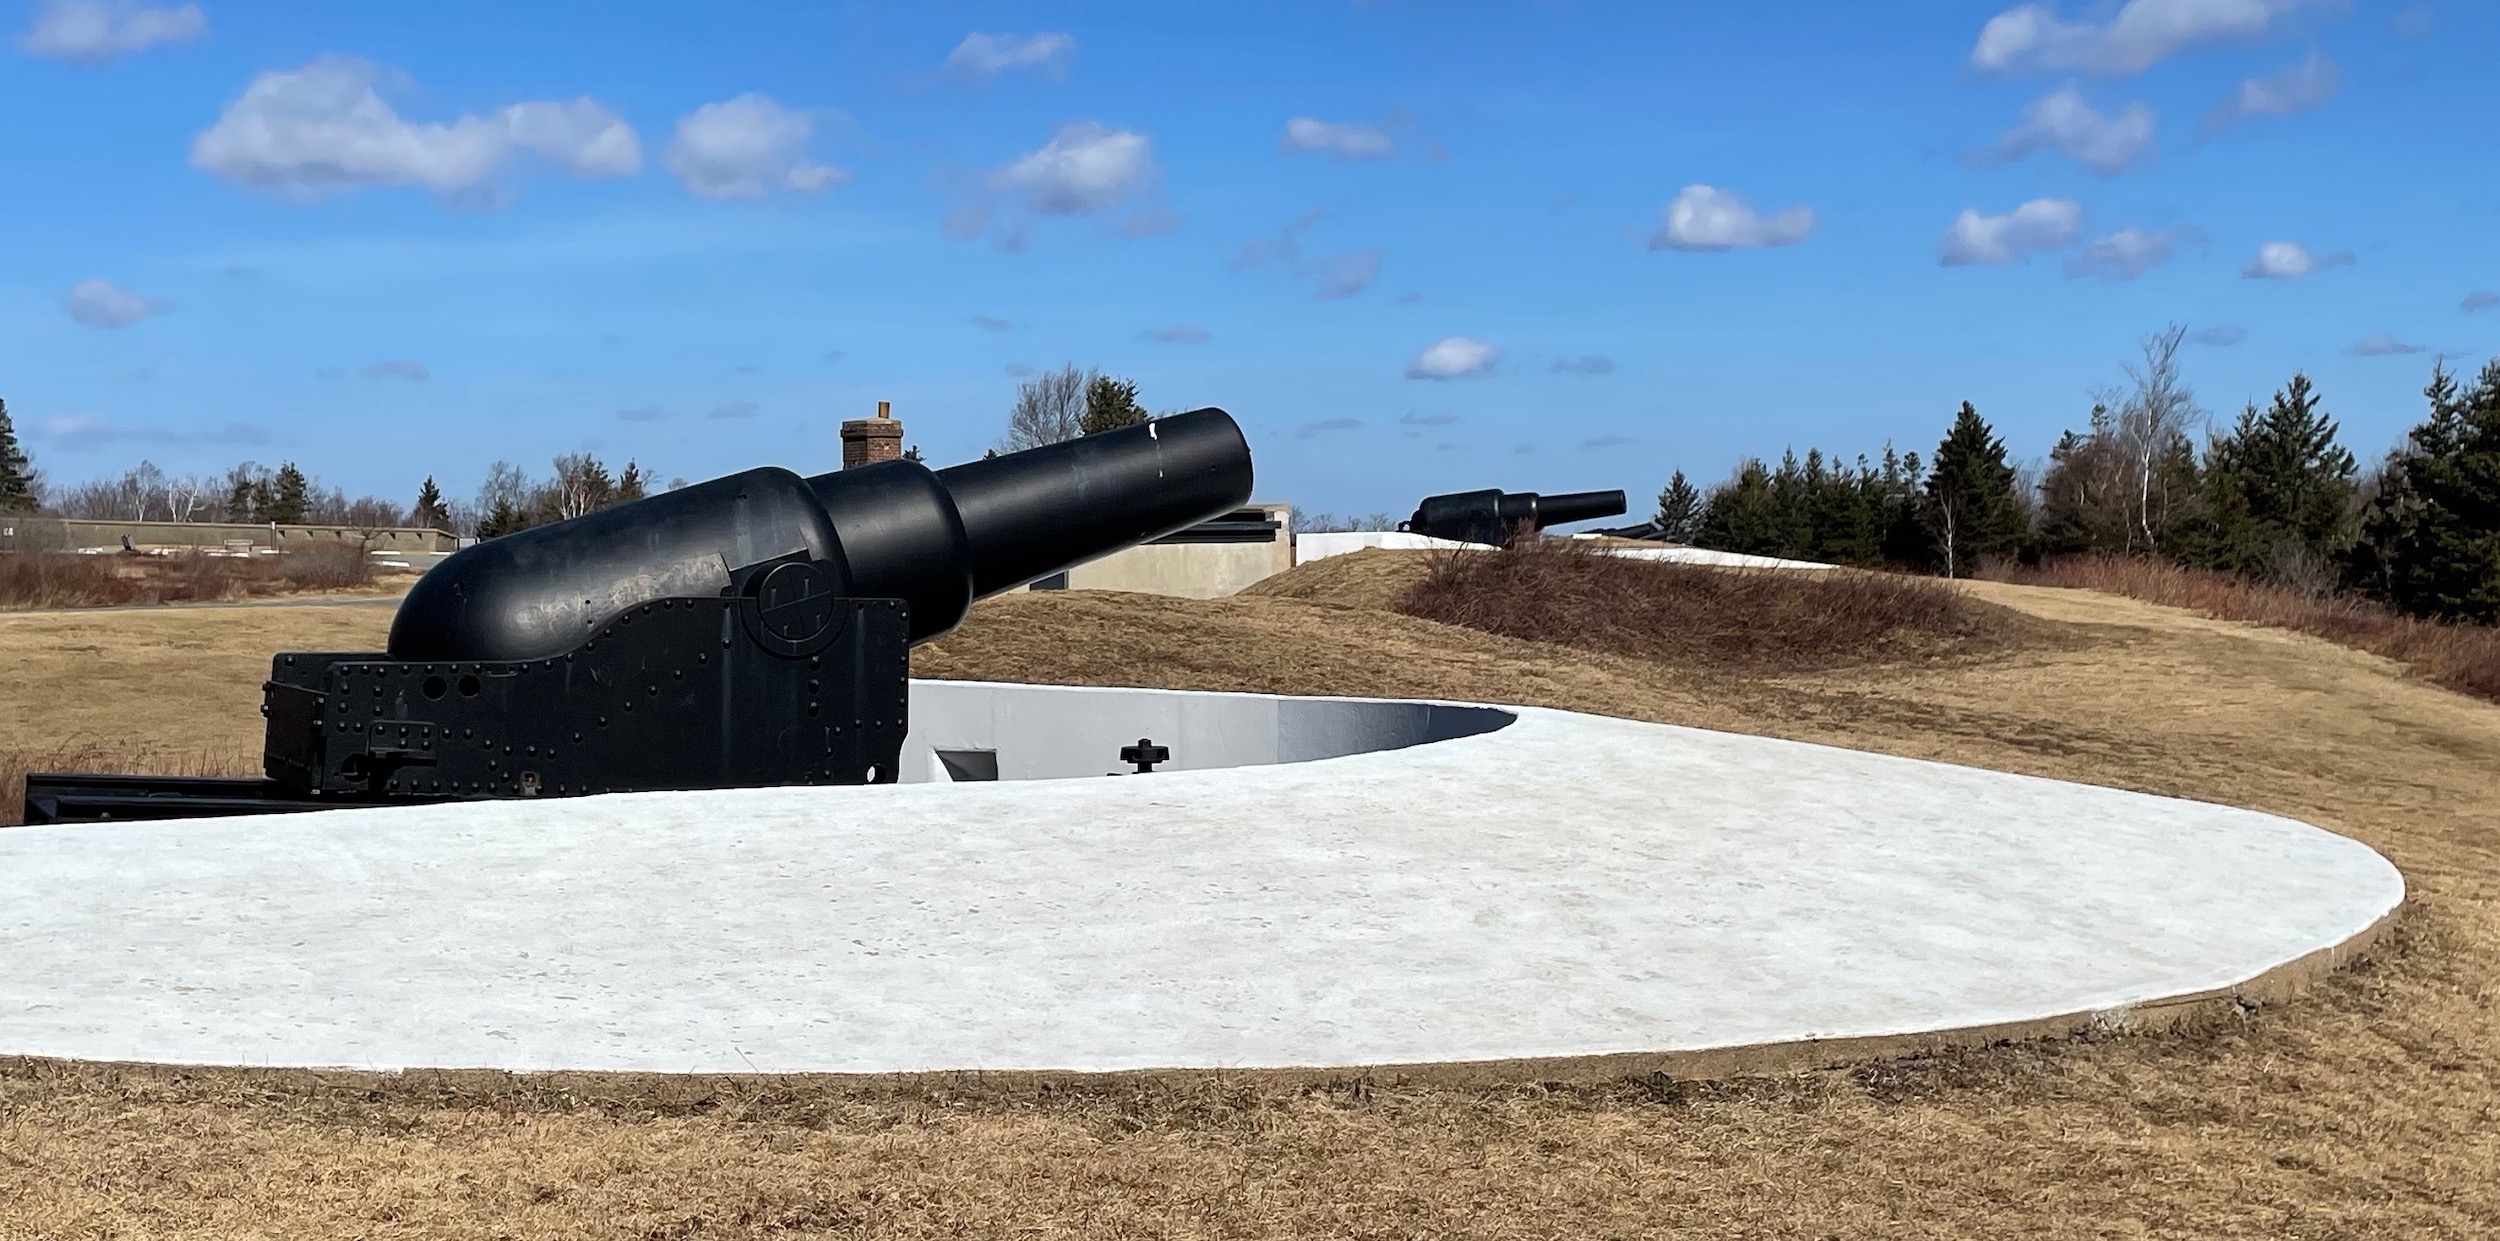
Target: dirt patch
[(2370, 1108)]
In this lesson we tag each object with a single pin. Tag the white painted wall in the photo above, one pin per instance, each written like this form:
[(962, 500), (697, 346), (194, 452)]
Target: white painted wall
[(1310, 547), (1052, 732)]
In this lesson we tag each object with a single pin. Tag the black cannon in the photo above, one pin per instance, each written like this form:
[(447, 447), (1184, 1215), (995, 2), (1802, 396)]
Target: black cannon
[(751, 630), (1493, 516)]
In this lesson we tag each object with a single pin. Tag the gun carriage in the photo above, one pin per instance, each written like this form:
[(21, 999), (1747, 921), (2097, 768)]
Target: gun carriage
[(751, 630)]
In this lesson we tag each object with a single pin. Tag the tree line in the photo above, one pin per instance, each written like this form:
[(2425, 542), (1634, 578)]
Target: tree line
[(2270, 495), (1057, 405)]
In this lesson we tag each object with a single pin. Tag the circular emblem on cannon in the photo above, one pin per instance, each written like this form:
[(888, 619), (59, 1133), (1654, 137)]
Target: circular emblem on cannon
[(793, 609), (795, 601)]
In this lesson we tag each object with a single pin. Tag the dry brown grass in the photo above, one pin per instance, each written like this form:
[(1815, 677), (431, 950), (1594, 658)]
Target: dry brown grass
[(2461, 657), (2370, 1108), (1571, 594), (110, 758), (40, 580)]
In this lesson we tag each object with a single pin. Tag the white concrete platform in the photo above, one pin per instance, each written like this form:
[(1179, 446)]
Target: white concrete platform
[(1562, 886)]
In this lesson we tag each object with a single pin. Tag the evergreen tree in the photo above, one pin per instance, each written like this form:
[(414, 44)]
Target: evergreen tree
[(1679, 510), (2279, 486), (1110, 404), (631, 485), (502, 518), (290, 497), (1743, 514), (1841, 525), (430, 511), (1896, 495), (1813, 508), (1972, 510), (2430, 540), (17, 474)]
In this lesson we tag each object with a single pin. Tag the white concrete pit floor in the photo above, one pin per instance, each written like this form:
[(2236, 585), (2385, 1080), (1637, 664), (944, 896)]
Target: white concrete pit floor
[(1562, 887)]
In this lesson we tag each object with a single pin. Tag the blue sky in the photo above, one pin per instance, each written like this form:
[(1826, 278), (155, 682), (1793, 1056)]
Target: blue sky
[(1415, 245)]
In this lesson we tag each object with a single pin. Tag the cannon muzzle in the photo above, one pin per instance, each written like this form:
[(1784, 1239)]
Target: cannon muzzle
[(1491, 516)]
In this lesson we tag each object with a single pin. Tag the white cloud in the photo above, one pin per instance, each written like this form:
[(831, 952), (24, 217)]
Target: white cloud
[(987, 55), (2222, 336), (80, 432), (747, 147), (1987, 240), (1344, 275), (1704, 217), (966, 222), (1179, 334), (1284, 247), (95, 31), (1151, 222), (2306, 85), (991, 323), (2128, 253), (2140, 35), (1085, 167), (1586, 364), (1337, 275), (2062, 122), (398, 368), (1455, 357), (2382, 345), (104, 304), (2284, 260), (1345, 142), (1326, 425), (324, 127), (2476, 303)]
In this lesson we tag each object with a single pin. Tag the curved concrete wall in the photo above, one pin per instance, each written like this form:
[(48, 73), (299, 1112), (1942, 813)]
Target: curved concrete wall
[(983, 730)]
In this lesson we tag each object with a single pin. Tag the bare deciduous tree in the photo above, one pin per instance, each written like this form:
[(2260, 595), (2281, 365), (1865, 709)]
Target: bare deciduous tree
[(1050, 407), (2151, 435), (582, 485), (2128, 485)]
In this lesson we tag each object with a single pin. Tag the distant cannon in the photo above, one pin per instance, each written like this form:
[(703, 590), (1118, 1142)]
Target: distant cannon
[(1493, 516), (751, 630)]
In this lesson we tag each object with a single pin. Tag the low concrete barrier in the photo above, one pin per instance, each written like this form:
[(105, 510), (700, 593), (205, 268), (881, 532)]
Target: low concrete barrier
[(44, 533)]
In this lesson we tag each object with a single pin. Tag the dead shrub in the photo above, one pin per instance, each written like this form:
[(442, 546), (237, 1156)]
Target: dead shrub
[(2465, 658), (71, 580), (1745, 620), (325, 566), (62, 580)]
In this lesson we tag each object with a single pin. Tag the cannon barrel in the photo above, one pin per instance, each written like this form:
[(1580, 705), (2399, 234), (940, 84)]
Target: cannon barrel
[(1490, 515), (895, 530), (1024, 512)]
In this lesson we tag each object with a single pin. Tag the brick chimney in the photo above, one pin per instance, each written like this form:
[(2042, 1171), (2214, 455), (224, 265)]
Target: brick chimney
[(866, 441)]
